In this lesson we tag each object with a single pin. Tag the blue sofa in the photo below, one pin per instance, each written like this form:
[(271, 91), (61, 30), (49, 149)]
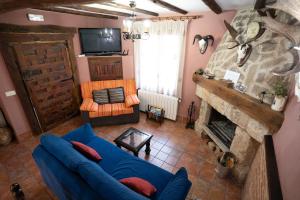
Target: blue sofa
[(70, 175)]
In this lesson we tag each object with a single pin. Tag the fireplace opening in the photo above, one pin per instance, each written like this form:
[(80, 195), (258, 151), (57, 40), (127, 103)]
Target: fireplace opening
[(221, 127)]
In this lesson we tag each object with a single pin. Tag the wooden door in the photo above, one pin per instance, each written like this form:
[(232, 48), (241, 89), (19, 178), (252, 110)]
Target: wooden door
[(105, 68), (46, 71)]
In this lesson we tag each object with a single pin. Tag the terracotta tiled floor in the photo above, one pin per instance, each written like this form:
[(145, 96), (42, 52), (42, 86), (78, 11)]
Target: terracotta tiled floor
[(172, 147)]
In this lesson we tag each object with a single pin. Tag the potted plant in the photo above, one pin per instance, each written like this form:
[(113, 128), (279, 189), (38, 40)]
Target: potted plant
[(280, 89)]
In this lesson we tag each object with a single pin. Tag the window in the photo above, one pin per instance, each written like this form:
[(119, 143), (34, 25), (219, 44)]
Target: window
[(159, 59)]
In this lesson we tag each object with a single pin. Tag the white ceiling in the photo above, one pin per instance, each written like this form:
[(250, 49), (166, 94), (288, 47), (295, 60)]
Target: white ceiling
[(188, 5)]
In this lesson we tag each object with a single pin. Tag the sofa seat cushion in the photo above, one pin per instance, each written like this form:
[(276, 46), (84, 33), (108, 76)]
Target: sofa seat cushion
[(89, 105), (111, 155), (135, 167), (121, 109), (103, 110), (105, 185), (178, 186)]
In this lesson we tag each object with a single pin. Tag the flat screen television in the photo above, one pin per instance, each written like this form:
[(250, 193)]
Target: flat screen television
[(100, 41)]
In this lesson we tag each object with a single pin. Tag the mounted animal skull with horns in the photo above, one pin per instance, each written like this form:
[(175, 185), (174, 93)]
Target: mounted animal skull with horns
[(244, 49), (203, 42), (291, 32)]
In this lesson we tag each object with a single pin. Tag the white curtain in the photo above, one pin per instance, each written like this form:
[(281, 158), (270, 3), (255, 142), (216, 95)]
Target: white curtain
[(159, 59)]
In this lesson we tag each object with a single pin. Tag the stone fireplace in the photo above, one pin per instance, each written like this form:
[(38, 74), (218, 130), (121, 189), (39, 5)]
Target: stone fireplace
[(244, 132)]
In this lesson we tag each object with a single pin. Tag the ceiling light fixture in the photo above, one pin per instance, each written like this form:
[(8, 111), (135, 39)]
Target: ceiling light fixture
[(128, 32)]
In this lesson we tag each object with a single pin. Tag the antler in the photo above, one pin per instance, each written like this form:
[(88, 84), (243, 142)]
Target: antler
[(291, 32), (197, 37), (293, 69), (233, 34), (261, 31), (289, 6)]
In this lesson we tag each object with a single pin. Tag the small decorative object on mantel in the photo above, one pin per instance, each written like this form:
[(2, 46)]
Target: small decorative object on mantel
[(203, 42), (227, 83), (240, 87), (191, 116), (199, 71), (208, 75), (155, 113), (262, 96), (280, 91)]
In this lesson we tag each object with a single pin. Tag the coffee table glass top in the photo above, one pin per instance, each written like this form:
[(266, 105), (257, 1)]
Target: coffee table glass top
[(133, 137)]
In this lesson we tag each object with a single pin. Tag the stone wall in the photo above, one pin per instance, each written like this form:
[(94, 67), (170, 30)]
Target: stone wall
[(269, 52)]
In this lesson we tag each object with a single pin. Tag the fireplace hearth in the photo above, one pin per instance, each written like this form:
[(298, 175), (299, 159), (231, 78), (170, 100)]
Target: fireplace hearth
[(221, 127)]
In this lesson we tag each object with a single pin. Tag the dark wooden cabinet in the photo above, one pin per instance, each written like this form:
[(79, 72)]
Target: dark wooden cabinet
[(105, 67)]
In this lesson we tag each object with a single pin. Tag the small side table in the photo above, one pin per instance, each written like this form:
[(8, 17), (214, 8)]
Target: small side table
[(133, 140)]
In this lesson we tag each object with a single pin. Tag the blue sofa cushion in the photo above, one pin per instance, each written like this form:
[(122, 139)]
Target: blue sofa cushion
[(135, 167), (62, 150), (83, 134), (105, 185), (111, 155), (178, 186)]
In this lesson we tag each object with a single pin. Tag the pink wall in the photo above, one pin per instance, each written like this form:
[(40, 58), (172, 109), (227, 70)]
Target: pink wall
[(287, 148), (11, 105), (209, 24)]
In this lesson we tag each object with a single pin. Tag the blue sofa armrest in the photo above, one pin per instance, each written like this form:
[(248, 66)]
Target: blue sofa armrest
[(63, 182), (178, 187)]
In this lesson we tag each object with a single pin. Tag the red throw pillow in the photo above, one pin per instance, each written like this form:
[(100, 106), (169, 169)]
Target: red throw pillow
[(86, 150), (139, 185)]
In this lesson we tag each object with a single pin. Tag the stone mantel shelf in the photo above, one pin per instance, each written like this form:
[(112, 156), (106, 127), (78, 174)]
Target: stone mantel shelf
[(249, 105)]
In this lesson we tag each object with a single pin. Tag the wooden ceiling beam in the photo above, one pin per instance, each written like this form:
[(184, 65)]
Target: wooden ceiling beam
[(76, 12), (213, 5), (138, 10), (169, 6), (6, 6), (99, 10)]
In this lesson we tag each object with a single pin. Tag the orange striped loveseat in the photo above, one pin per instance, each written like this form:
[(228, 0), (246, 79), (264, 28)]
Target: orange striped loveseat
[(110, 114)]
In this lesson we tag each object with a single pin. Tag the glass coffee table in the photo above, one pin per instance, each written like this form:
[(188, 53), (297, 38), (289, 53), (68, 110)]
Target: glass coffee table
[(133, 140)]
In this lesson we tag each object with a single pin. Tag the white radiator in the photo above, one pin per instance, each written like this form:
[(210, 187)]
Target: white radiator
[(168, 103)]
